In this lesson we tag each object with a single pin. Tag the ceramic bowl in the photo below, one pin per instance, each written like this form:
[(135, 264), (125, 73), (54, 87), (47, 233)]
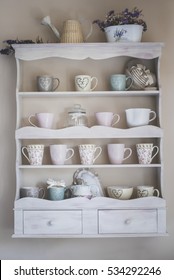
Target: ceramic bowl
[(120, 192)]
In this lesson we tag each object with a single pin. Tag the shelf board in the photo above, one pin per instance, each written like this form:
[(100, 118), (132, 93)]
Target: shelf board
[(69, 166), (68, 94), (94, 132)]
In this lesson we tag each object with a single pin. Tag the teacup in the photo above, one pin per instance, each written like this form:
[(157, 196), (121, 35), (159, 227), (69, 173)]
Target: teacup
[(116, 153), (118, 82), (88, 153), (145, 152), (59, 154), (47, 83), (56, 192), (139, 116), (84, 83), (107, 118), (44, 120), (144, 191), (35, 154), (81, 191), (32, 192), (120, 192)]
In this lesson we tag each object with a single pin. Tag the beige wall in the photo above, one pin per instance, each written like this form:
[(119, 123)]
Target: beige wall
[(19, 18)]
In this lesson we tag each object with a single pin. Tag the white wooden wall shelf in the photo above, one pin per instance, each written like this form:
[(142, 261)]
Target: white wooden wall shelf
[(100, 216)]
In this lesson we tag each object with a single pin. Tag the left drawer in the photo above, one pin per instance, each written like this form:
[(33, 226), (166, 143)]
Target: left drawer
[(53, 222)]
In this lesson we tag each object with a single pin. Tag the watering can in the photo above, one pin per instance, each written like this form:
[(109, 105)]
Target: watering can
[(72, 31)]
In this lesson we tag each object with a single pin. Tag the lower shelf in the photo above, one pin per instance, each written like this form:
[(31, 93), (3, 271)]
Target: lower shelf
[(98, 217)]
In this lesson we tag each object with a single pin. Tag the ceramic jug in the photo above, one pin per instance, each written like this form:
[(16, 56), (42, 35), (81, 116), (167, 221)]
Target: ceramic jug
[(72, 31)]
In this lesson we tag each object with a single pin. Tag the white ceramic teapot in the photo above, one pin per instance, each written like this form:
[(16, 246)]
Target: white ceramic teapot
[(72, 31)]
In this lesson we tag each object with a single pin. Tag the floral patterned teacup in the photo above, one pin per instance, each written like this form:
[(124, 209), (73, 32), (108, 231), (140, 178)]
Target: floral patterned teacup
[(88, 153), (145, 151), (35, 154)]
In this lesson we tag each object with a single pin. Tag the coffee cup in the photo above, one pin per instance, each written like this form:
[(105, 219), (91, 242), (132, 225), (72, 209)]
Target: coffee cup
[(47, 83), (44, 120), (144, 191), (119, 82), (145, 152), (32, 192), (116, 153), (139, 116), (35, 154), (81, 191), (107, 118), (89, 153), (85, 83), (59, 154), (56, 193)]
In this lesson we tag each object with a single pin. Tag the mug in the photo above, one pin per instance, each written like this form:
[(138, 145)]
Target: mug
[(139, 116), (44, 120), (116, 153), (84, 83), (145, 151), (144, 191), (56, 193), (118, 82), (32, 192), (107, 118), (47, 83), (59, 154), (35, 154), (88, 153)]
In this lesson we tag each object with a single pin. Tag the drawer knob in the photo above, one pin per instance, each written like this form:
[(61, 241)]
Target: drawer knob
[(50, 223), (127, 221)]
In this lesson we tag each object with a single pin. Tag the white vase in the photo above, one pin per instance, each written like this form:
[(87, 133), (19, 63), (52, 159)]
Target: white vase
[(124, 33)]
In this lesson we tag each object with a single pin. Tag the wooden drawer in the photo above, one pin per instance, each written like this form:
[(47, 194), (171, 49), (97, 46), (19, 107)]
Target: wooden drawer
[(53, 222), (127, 221)]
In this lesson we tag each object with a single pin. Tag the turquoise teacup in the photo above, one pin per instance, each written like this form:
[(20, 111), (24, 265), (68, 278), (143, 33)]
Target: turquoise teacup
[(119, 82), (56, 193)]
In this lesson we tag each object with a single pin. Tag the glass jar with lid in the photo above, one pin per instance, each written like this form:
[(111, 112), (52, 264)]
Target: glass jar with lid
[(77, 116)]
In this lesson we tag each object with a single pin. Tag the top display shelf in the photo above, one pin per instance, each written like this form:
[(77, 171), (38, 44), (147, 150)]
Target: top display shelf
[(87, 50)]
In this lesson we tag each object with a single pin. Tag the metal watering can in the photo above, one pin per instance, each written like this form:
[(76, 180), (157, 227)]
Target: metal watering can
[(72, 31)]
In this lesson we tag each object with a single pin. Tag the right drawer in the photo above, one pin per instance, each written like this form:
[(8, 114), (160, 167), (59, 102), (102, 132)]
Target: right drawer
[(127, 221)]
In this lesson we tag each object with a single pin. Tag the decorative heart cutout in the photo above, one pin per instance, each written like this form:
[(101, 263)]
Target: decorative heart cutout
[(142, 193), (117, 193), (82, 82)]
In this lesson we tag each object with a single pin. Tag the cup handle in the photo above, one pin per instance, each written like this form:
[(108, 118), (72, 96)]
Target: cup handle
[(157, 150), (41, 190), (99, 153), (130, 153), (90, 30), (96, 82), (127, 78), (157, 192), (153, 116), (117, 120), (71, 155), (58, 83), (23, 148), (29, 119)]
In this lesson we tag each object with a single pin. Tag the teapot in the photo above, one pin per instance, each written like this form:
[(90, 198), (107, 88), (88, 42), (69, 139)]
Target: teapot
[(72, 31)]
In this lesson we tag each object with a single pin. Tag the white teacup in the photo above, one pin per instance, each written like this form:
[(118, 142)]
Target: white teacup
[(116, 153), (84, 83), (139, 116), (89, 153), (35, 154), (59, 154), (144, 191), (81, 191), (32, 192), (44, 120), (107, 118), (145, 152), (47, 83)]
